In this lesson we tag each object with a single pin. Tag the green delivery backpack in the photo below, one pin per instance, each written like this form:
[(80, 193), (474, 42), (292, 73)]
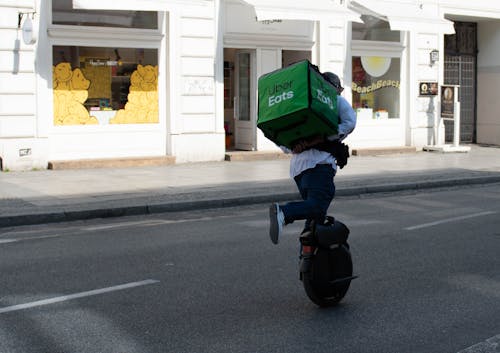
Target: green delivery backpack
[(296, 103)]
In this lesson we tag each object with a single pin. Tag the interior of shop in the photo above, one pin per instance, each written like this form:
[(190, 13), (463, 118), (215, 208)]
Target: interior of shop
[(96, 85)]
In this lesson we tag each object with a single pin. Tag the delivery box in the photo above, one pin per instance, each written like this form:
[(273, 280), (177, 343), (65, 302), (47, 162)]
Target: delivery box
[(296, 103)]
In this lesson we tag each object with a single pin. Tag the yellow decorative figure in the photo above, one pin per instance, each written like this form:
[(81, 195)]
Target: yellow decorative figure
[(62, 76), (70, 92), (142, 100)]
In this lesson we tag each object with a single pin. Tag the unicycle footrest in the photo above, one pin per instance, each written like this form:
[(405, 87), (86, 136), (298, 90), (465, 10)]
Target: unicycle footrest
[(343, 279), (307, 239)]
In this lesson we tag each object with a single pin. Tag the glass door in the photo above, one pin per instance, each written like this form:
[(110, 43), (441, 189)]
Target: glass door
[(244, 101)]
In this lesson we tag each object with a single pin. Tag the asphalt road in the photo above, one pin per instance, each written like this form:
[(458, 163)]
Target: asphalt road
[(211, 281)]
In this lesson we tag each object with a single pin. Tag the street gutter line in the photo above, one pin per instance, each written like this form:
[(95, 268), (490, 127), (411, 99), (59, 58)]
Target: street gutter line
[(76, 296), (448, 220)]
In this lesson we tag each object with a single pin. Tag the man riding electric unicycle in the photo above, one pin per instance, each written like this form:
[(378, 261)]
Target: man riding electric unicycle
[(325, 121)]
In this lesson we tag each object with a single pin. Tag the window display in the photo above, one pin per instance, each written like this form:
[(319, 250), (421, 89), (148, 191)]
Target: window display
[(95, 85), (376, 87)]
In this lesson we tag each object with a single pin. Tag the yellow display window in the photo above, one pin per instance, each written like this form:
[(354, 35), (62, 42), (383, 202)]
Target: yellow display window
[(95, 85)]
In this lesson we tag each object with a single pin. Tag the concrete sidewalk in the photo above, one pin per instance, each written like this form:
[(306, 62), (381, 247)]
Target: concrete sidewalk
[(63, 195)]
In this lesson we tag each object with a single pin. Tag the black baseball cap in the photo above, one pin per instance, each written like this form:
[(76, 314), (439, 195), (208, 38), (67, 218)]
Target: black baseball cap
[(333, 79)]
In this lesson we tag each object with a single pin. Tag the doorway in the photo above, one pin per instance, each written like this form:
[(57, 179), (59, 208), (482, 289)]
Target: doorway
[(239, 98), (242, 68), (460, 68)]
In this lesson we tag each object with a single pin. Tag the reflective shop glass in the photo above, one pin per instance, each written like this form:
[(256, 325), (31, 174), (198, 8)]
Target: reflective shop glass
[(374, 28), (64, 14), (376, 83)]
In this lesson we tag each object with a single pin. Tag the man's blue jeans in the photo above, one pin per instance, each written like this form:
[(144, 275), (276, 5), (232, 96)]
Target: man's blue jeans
[(317, 189)]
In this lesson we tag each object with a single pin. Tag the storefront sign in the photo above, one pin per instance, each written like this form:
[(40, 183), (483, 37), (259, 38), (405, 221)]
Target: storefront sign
[(375, 86), (267, 22), (448, 99), (428, 89)]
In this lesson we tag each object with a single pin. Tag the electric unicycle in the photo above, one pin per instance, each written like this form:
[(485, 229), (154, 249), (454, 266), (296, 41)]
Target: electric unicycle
[(325, 262)]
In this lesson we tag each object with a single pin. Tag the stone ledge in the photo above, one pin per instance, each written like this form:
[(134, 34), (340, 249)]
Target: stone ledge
[(233, 156), (375, 151), (111, 162)]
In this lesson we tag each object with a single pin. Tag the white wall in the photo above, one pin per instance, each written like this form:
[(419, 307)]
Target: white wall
[(488, 81), (18, 147), (333, 52), (423, 119), (196, 123)]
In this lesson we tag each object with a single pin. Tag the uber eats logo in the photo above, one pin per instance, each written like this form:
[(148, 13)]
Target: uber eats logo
[(320, 95), (280, 92)]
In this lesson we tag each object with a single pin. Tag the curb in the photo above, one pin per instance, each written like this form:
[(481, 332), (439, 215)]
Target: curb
[(107, 212), (415, 186)]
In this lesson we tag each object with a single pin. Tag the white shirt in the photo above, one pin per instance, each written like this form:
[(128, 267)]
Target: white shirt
[(309, 158)]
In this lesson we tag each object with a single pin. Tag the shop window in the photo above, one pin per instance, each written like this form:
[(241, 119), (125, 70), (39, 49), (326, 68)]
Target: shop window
[(374, 28), (376, 87), (94, 85), (64, 14), (244, 86)]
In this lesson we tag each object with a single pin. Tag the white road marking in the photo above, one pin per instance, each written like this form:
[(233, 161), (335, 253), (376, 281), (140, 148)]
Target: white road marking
[(449, 220), (124, 224), (491, 345), (12, 240), (154, 222), (76, 296)]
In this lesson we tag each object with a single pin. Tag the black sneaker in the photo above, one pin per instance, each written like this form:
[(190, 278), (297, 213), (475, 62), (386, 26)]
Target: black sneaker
[(276, 222)]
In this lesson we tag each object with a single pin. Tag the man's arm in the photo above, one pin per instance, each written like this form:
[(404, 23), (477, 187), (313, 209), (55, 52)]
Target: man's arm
[(347, 117)]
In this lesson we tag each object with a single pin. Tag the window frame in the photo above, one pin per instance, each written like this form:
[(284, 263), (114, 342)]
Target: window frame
[(383, 49), (106, 37)]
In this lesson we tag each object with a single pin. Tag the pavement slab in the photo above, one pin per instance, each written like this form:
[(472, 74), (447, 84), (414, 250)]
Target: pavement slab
[(44, 196)]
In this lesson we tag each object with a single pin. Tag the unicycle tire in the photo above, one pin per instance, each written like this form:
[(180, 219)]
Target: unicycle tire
[(329, 275)]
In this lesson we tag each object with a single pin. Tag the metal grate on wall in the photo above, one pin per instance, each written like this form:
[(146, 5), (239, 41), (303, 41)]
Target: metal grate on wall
[(461, 70)]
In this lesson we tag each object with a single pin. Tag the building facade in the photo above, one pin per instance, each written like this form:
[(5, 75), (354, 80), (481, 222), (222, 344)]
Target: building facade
[(93, 79)]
